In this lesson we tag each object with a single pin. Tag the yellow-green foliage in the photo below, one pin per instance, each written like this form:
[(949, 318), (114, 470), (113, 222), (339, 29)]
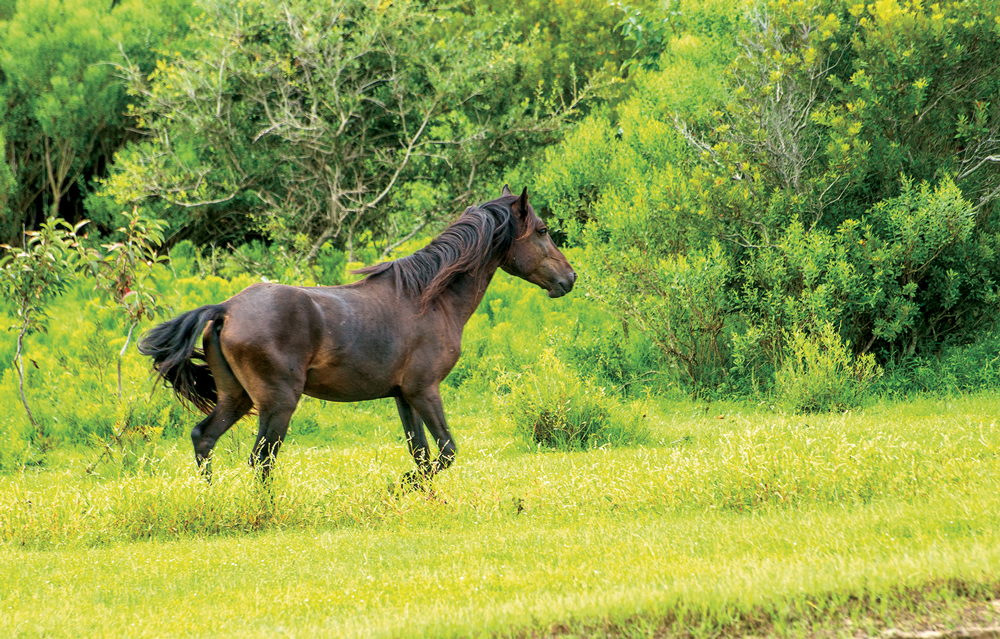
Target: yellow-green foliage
[(555, 408), (832, 156), (820, 373)]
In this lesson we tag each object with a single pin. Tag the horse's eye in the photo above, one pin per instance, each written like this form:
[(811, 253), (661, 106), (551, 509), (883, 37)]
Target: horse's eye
[(543, 231)]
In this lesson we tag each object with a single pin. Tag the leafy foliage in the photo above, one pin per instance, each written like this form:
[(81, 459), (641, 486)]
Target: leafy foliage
[(345, 122), (123, 272), (31, 276), (38, 271), (819, 152), (552, 407), (821, 374), (63, 105)]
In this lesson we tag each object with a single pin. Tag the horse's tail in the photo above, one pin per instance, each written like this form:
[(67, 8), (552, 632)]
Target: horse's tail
[(172, 347)]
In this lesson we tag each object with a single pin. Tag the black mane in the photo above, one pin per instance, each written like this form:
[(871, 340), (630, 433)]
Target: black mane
[(468, 245)]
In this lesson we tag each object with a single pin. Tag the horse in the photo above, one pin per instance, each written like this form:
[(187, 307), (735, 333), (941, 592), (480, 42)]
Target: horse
[(396, 333)]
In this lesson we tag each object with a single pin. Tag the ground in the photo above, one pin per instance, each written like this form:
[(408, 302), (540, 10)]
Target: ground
[(730, 520)]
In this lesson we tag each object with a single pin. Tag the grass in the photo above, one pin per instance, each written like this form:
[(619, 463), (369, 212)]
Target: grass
[(730, 520)]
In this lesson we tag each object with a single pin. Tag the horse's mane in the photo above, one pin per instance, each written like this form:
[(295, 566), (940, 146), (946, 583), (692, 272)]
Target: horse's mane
[(468, 245)]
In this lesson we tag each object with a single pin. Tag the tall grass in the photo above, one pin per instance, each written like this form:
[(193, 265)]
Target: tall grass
[(727, 521), (728, 462)]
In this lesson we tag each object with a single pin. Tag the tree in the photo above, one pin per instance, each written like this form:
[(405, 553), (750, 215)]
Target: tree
[(338, 121), (8, 220), (31, 276), (62, 103), (123, 272)]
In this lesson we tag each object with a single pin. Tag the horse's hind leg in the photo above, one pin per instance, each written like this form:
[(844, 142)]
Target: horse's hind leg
[(232, 402), (270, 434), (228, 411), (275, 399), (416, 442)]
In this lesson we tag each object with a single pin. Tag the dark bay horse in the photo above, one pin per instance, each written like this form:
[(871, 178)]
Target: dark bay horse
[(397, 333)]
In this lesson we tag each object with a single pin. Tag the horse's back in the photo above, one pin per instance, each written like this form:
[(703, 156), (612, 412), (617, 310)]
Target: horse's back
[(337, 343)]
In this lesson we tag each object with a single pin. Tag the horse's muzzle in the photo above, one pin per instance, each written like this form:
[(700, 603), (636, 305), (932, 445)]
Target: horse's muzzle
[(563, 285)]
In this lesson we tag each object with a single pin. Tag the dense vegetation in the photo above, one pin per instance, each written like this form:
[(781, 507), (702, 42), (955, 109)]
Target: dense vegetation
[(822, 170), (794, 201), (791, 205)]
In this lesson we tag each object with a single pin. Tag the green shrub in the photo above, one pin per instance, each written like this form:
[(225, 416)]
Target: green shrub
[(956, 368), (820, 373), (829, 174), (615, 353), (681, 303), (554, 408)]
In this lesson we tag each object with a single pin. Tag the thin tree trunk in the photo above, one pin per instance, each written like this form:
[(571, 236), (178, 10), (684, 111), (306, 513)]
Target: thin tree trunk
[(54, 181), (121, 354), (20, 377)]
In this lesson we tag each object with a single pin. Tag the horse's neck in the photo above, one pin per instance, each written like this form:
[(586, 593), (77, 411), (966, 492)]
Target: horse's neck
[(464, 294)]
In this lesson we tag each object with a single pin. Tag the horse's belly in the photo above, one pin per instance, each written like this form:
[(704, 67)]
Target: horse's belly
[(347, 386)]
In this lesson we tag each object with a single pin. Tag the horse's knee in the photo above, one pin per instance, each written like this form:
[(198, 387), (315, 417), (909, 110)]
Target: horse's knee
[(196, 434)]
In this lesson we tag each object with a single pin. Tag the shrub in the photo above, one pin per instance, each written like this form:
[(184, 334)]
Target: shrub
[(820, 373), (773, 177), (965, 368), (681, 302), (31, 276), (554, 408)]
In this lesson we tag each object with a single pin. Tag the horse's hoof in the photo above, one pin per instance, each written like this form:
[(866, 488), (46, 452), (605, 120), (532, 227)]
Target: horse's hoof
[(410, 481)]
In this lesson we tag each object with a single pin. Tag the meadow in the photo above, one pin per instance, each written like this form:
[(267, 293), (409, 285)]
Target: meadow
[(730, 520), (768, 407)]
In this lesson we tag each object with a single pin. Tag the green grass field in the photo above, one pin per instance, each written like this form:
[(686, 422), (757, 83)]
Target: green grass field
[(731, 520)]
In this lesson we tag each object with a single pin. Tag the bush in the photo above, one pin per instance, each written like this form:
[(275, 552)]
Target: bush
[(821, 374), (963, 368), (681, 303), (400, 112), (772, 178), (554, 408)]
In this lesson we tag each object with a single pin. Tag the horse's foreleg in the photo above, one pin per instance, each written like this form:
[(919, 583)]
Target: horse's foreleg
[(416, 439), (428, 406)]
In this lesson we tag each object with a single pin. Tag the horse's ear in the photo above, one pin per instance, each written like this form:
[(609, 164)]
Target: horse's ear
[(522, 203), (505, 191)]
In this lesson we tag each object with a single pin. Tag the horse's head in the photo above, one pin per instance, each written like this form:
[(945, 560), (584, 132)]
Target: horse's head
[(533, 256)]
